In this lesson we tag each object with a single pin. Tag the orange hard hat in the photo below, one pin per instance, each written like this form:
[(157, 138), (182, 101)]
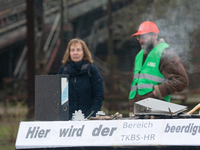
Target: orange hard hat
[(147, 27)]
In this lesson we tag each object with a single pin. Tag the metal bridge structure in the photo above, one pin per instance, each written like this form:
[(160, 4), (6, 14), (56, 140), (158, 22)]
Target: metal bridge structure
[(13, 27), (74, 15)]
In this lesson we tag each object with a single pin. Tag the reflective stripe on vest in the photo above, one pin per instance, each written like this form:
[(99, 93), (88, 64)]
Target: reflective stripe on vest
[(142, 86), (150, 77)]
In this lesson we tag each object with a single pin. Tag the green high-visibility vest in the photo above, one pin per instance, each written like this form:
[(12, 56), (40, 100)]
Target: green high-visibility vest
[(148, 74)]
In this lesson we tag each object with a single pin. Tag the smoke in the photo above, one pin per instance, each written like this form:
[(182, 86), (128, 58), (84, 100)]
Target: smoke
[(178, 21)]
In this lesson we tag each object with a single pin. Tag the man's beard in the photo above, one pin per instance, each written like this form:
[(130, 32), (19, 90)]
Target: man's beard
[(148, 46)]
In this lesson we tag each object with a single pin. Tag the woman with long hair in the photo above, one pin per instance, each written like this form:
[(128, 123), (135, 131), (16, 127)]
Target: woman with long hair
[(86, 91)]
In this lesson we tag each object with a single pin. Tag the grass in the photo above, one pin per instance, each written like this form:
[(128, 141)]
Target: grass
[(10, 117), (8, 134)]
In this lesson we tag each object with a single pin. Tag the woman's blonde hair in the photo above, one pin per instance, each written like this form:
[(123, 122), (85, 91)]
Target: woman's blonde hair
[(87, 54)]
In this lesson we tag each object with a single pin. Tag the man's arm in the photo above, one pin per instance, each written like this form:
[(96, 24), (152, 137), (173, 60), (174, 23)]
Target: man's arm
[(172, 69)]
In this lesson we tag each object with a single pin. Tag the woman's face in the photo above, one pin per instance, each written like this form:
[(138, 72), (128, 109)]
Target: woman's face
[(76, 52)]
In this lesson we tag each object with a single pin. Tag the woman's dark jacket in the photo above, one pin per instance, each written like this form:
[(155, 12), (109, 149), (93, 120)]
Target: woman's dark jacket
[(86, 91)]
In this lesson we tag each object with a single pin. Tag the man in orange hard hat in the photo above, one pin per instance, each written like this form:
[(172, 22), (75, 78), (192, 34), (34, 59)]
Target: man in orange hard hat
[(158, 70)]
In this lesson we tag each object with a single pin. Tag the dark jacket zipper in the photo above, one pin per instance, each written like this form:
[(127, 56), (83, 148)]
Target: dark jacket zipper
[(75, 82)]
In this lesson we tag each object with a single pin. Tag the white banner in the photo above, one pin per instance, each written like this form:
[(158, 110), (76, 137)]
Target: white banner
[(108, 133)]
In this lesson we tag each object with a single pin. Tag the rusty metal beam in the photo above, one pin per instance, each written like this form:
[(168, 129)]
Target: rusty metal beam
[(31, 58), (110, 46)]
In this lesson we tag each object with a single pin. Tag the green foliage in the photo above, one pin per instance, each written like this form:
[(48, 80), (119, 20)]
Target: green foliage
[(8, 134), (4, 132), (10, 118)]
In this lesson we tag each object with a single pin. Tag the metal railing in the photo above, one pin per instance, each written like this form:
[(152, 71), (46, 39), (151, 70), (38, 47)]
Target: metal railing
[(48, 48), (20, 67), (99, 34), (52, 38)]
